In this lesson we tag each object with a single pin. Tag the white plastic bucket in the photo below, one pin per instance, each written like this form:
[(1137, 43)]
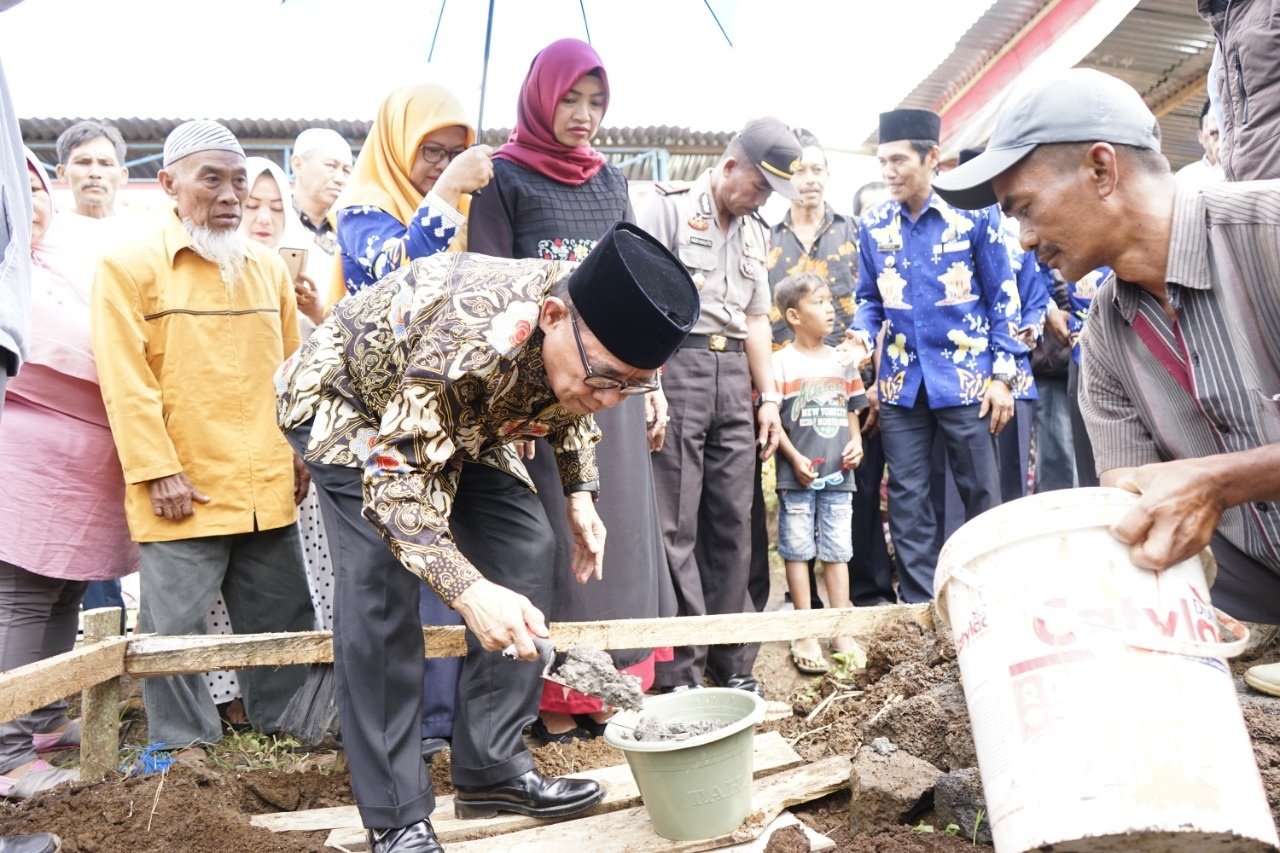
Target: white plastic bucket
[(1103, 713)]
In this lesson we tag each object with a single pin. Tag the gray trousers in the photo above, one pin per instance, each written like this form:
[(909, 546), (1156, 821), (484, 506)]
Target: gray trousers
[(261, 578), (1086, 470), (703, 477), (1055, 450), (499, 524), (38, 619)]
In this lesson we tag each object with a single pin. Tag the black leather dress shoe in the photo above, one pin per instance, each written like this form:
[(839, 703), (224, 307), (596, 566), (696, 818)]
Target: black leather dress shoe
[(417, 837), (744, 682), (529, 794)]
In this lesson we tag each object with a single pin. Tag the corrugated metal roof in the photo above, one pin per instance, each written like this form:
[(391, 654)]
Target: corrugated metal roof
[(1162, 48), (686, 153), (997, 26)]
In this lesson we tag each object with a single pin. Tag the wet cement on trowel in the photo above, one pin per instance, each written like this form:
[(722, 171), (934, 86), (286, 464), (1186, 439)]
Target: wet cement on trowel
[(653, 729), (592, 672)]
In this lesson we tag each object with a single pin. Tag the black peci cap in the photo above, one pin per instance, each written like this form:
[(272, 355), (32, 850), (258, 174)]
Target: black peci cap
[(635, 297), (910, 124)]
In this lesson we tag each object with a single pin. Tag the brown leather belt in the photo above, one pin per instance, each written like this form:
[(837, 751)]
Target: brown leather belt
[(715, 343)]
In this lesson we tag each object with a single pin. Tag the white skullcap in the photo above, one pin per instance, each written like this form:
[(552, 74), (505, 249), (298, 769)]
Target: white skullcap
[(318, 137), (193, 137)]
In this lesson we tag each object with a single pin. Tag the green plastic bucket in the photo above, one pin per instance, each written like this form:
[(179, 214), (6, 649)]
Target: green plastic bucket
[(700, 787)]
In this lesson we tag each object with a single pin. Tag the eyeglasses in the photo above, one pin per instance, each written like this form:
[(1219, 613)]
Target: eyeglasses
[(830, 480), (434, 155), (607, 383)]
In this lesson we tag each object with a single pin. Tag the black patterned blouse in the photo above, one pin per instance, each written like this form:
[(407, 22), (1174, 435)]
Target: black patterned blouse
[(556, 222)]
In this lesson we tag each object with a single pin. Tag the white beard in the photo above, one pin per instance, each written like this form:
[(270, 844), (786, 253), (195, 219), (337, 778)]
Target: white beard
[(224, 247)]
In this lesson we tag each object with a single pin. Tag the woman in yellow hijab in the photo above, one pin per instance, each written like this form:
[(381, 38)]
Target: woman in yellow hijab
[(407, 193)]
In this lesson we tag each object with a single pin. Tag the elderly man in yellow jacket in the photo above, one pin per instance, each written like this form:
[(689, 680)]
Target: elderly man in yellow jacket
[(189, 322)]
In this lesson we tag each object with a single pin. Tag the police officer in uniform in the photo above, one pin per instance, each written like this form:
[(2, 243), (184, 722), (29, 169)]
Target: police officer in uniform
[(704, 471)]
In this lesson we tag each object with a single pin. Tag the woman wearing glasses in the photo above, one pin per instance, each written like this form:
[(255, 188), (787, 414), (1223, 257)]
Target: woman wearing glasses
[(552, 197), (406, 197)]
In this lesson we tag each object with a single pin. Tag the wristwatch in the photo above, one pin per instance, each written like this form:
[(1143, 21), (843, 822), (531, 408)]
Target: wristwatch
[(771, 397), (1006, 378)]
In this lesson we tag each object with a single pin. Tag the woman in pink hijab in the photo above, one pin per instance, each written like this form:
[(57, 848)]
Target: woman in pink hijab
[(61, 496), (551, 197)]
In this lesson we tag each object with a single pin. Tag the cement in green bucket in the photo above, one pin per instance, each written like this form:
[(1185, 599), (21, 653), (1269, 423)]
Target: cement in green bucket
[(700, 787)]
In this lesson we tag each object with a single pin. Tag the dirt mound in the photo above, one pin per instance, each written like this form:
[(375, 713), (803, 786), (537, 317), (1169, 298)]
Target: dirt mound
[(909, 692), (196, 811)]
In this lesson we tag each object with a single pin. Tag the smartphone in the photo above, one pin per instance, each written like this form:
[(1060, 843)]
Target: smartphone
[(295, 260)]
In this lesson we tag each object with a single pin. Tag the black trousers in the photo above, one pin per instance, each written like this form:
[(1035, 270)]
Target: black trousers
[(908, 435), (703, 479), (498, 523), (870, 570)]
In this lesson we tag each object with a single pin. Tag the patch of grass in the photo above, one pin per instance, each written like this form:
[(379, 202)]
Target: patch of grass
[(847, 664), (249, 750), (809, 694)]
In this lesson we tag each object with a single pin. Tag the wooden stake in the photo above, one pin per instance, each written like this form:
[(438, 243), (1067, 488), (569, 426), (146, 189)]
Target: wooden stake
[(100, 704)]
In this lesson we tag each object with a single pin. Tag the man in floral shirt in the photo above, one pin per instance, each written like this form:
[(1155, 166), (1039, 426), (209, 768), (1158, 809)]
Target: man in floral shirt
[(939, 280), (404, 405)]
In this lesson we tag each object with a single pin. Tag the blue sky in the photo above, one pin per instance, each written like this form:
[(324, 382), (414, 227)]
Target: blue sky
[(829, 65)]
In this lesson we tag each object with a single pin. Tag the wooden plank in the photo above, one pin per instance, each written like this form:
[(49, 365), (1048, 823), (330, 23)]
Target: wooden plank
[(737, 627), (26, 688), (630, 831), (152, 655), (770, 754), (100, 704), (817, 841)]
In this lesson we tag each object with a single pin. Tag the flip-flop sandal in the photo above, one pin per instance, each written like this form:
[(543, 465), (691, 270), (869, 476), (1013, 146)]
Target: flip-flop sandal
[(809, 665), (41, 777), (54, 741)]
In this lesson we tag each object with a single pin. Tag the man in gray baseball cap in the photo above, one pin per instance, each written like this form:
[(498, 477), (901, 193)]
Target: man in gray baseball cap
[(1081, 105), (1181, 352)]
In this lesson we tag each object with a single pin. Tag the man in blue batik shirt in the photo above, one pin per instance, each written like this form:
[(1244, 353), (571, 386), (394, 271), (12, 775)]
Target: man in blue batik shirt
[(938, 280)]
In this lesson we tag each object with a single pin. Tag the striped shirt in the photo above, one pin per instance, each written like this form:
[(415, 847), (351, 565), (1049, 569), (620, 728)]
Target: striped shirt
[(1155, 390)]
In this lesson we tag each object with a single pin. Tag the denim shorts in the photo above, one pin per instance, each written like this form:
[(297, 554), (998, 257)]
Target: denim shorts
[(829, 536)]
